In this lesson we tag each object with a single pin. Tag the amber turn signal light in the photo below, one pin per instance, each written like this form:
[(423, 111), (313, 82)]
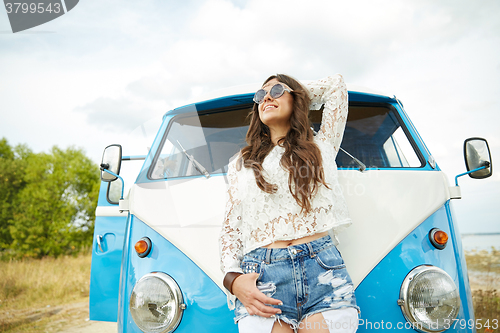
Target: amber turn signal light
[(143, 247), (438, 238)]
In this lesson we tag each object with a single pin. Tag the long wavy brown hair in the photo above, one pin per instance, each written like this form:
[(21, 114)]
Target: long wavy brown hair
[(302, 157)]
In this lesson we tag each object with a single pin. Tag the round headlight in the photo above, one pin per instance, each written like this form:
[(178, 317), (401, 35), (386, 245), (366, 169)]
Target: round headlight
[(429, 299), (156, 303)]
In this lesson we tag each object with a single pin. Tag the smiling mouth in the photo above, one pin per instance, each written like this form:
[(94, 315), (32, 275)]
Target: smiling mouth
[(268, 107)]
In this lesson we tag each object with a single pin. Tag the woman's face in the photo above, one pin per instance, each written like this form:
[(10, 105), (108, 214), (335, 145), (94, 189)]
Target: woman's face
[(275, 112)]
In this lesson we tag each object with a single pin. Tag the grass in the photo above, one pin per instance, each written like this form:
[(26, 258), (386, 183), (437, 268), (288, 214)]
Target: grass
[(37, 288), (485, 266)]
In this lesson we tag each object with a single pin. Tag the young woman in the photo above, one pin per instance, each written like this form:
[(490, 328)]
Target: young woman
[(285, 205)]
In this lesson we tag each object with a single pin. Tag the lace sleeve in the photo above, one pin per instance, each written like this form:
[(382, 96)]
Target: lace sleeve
[(230, 241), (331, 92)]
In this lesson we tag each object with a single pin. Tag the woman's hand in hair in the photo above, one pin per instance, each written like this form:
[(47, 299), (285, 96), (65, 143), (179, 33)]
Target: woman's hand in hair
[(245, 289)]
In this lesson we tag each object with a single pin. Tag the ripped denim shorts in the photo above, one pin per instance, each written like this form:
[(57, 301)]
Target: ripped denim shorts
[(308, 278)]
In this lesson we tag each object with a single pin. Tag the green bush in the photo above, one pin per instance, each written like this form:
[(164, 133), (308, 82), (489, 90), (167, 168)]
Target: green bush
[(47, 201)]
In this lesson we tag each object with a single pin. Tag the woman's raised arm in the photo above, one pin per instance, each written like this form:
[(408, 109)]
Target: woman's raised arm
[(332, 92)]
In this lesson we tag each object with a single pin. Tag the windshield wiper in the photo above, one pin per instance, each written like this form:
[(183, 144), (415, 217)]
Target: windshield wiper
[(196, 164), (362, 166)]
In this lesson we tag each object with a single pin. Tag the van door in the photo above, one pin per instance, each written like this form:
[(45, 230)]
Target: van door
[(107, 244)]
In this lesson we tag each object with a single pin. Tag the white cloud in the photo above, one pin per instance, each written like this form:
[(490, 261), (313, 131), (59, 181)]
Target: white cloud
[(120, 115)]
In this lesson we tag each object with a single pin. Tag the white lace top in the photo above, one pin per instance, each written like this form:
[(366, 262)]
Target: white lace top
[(255, 218)]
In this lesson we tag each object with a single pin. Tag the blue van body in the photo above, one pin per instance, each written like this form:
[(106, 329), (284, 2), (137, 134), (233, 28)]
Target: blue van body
[(116, 267)]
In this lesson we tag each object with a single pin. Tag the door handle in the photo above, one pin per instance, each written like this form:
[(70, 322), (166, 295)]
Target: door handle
[(99, 239)]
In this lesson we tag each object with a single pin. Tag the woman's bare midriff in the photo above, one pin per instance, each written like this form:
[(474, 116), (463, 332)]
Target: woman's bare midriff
[(286, 243)]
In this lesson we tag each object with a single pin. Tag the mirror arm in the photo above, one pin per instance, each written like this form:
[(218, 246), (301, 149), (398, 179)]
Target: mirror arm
[(486, 165), (114, 174)]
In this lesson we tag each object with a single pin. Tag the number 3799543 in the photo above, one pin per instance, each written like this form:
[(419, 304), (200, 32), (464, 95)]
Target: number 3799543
[(32, 7), (471, 323)]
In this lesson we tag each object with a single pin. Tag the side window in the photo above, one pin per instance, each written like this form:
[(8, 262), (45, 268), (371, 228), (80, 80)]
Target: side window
[(200, 144), (114, 191), (374, 135), (399, 151)]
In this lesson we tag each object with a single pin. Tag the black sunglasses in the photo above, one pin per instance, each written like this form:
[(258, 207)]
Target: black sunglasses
[(276, 92)]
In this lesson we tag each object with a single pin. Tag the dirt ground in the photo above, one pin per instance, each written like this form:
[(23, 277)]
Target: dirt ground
[(93, 327), (69, 318), (79, 322)]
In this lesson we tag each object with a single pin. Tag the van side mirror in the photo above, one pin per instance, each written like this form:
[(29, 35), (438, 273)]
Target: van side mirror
[(111, 160), (477, 154)]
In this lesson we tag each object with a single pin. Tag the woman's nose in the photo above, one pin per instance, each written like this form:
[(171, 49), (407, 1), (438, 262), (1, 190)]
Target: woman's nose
[(267, 96)]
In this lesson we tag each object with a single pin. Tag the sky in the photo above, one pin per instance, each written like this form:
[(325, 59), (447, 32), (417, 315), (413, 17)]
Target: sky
[(93, 76)]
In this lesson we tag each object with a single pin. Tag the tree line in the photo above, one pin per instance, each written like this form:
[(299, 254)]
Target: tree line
[(47, 201)]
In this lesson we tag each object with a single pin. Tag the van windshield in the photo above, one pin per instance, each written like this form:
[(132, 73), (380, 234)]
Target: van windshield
[(202, 144), (374, 136)]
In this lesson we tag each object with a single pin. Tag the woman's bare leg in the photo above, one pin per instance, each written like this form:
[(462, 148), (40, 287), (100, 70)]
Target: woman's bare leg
[(256, 324), (282, 327), (343, 320), (313, 324)]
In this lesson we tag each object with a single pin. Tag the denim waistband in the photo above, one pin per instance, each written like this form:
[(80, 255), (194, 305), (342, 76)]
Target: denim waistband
[(293, 251)]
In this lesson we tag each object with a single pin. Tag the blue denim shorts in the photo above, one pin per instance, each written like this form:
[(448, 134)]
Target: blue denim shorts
[(308, 278)]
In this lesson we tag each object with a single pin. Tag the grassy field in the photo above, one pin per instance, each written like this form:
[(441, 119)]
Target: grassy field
[(45, 295), (31, 291)]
